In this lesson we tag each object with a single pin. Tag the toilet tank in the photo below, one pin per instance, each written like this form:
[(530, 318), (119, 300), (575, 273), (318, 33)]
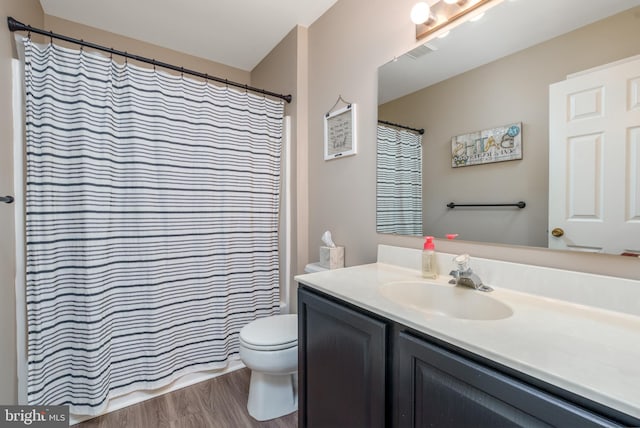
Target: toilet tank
[(314, 267)]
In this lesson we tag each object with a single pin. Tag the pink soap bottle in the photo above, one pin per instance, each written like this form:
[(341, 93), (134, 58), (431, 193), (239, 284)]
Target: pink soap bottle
[(429, 269)]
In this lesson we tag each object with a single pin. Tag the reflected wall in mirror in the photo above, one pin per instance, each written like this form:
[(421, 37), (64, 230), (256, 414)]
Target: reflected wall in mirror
[(489, 73)]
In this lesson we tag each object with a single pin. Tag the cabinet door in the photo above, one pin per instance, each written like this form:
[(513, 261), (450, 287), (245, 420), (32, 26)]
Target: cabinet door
[(438, 388), (341, 361)]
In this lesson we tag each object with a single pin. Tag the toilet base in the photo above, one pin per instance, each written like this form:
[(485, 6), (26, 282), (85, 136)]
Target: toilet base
[(272, 396)]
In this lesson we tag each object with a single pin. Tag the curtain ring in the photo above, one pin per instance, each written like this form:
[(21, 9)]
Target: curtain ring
[(29, 35), (50, 37)]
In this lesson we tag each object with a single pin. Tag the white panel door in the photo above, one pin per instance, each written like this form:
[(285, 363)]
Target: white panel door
[(594, 160)]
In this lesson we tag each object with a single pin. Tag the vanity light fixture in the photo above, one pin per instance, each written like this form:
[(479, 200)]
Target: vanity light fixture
[(421, 14), (432, 19)]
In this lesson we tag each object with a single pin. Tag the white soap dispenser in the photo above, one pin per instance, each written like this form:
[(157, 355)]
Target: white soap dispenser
[(429, 269)]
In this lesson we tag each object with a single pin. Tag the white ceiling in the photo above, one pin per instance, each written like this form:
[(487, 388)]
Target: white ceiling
[(505, 29), (238, 33)]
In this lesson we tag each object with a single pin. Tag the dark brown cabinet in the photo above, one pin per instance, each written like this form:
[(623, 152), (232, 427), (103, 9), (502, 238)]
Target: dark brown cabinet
[(438, 388), (341, 365), (357, 369)]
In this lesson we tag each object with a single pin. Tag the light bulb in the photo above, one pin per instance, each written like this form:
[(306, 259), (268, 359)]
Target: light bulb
[(450, 1), (420, 13)]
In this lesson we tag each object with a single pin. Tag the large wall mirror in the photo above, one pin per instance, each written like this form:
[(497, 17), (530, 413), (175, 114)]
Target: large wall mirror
[(495, 72)]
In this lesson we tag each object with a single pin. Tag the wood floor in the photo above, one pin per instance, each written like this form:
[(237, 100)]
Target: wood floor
[(218, 403)]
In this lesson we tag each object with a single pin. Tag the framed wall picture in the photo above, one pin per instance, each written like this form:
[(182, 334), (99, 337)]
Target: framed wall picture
[(500, 144), (340, 133)]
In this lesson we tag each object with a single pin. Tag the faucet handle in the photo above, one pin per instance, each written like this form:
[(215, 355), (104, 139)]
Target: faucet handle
[(462, 262)]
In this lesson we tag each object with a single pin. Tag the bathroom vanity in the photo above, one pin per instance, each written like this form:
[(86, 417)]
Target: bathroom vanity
[(379, 346)]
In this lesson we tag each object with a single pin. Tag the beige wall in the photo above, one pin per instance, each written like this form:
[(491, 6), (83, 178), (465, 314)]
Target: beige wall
[(512, 89), (346, 45), (284, 70), (122, 43), (27, 11)]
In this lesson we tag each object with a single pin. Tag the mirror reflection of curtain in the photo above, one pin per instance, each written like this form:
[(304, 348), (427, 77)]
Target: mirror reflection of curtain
[(399, 181)]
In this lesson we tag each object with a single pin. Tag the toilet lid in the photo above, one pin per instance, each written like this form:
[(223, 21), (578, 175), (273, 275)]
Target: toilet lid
[(274, 332)]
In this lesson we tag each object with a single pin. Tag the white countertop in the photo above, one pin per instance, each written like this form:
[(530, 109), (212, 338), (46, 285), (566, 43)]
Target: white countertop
[(592, 352)]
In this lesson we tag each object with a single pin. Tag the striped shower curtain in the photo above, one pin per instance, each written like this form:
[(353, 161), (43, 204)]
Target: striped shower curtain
[(151, 225), (399, 181)]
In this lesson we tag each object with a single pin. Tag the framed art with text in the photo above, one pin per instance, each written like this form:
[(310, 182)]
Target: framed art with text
[(340, 132), (500, 144)]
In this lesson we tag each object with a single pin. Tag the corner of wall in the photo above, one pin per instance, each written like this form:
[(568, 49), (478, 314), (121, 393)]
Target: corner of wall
[(285, 69)]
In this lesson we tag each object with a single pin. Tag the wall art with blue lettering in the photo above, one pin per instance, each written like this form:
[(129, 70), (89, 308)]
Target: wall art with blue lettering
[(499, 144)]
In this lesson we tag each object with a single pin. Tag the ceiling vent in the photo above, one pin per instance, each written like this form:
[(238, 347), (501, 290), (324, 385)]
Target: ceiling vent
[(421, 51)]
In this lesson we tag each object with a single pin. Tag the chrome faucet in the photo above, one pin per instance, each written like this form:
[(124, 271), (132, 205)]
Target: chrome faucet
[(464, 276)]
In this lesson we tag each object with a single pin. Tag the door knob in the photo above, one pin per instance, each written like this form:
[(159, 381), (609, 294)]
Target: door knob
[(557, 232)]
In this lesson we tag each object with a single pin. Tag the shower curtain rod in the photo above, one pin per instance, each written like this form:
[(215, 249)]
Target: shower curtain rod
[(15, 25), (419, 131)]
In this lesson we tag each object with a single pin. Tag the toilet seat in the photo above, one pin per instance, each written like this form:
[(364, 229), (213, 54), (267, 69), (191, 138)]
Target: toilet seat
[(271, 333)]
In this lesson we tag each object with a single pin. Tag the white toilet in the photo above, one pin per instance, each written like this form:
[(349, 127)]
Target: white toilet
[(269, 347)]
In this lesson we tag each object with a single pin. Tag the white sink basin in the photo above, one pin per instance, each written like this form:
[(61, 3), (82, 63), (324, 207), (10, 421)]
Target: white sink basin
[(445, 300)]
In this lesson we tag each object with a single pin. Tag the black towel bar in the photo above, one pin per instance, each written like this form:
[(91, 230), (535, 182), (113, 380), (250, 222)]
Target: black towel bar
[(520, 205), (6, 199)]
